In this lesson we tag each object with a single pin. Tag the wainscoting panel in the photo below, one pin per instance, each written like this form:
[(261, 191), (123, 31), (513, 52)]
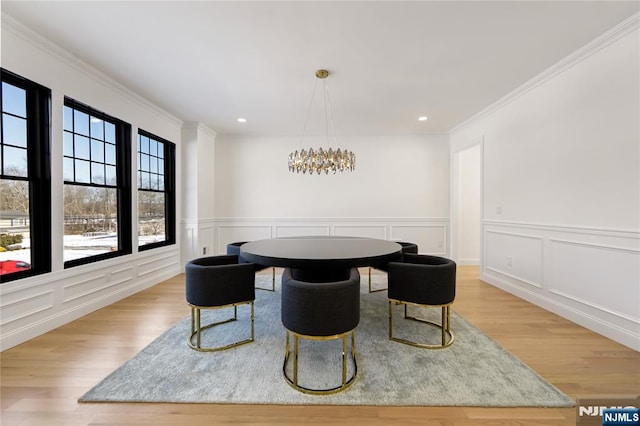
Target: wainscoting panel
[(301, 230), (35, 305), (231, 233), (23, 305), (84, 288), (431, 238), (206, 236), (190, 246), (431, 234), (587, 275), (364, 231), (515, 255), (598, 276)]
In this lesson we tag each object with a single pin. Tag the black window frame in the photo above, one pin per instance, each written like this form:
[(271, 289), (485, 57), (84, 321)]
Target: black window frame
[(123, 184), (38, 112), (169, 190)]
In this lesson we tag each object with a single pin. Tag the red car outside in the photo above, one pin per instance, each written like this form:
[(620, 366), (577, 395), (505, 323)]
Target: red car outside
[(10, 266)]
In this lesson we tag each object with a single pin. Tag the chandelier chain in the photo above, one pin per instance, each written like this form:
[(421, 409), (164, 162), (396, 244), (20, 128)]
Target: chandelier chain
[(322, 160)]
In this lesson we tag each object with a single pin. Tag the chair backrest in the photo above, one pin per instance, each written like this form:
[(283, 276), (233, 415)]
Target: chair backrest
[(234, 248), (408, 247), (320, 308), (422, 279), (218, 281)]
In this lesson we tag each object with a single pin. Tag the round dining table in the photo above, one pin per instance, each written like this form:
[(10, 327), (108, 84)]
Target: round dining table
[(321, 258)]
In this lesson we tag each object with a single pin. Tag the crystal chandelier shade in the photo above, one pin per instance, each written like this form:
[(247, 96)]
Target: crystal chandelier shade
[(322, 159)]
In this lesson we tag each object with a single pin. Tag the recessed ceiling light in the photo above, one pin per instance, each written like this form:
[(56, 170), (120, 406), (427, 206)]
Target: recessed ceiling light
[(423, 118), (242, 120)]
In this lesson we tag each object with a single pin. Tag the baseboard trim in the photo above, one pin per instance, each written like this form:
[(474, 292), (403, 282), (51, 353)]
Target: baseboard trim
[(63, 317), (598, 325)]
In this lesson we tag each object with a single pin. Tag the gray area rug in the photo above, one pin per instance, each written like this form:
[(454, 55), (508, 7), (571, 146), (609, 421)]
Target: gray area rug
[(474, 371)]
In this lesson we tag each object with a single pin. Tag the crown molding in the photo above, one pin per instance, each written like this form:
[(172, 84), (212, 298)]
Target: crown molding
[(609, 37), (198, 126), (48, 47)]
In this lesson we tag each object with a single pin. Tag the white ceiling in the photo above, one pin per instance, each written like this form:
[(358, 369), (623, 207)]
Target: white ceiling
[(390, 61)]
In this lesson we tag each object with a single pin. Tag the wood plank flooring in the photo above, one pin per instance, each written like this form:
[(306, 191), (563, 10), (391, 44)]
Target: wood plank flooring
[(42, 379)]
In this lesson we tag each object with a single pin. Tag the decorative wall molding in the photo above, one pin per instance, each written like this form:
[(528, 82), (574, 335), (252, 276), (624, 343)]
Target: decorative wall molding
[(422, 231), (331, 219), (35, 305), (594, 245), (43, 300), (619, 232), (587, 275), (523, 262), (197, 125), (614, 34)]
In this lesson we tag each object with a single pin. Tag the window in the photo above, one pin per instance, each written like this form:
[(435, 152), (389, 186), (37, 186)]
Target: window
[(97, 189), (25, 182), (156, 194)]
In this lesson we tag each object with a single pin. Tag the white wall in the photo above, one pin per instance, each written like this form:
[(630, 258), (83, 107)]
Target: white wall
[(468, 205), (198, 159), (32, 306), (399, 190), (562, 187)]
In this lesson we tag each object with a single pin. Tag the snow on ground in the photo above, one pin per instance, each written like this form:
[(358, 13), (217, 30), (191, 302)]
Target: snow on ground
[(76, 246)]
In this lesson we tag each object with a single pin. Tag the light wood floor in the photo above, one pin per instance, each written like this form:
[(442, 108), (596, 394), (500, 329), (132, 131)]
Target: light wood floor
[(42, 378)]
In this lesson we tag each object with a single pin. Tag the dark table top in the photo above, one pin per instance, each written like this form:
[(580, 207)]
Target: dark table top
[(321, 251)]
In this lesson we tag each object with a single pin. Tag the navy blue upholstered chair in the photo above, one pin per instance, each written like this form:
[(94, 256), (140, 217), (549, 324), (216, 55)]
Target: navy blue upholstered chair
[(423, 280), (320, 311), (407, 247), (218, 282), (234, 249)]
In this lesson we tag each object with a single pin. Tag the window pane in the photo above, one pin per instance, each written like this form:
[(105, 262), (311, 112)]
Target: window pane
[(145, 180), (15, 161), (97, 150), (14, 100), (97, 128), (153, 165), (144, 164), (110, 153), (111, 178), (67, 169), (90, 221), (151, 217), (109, 132), (68, 119), (97, 173), (153, 148), (81, 147), (14, 130), (144, 144), (160, 183), (15, 254), (82, 171), (68, 144), (80, 122)]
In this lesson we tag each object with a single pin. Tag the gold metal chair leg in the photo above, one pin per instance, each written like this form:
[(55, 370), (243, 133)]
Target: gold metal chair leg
[(447, 336), (197, 328), (344, 360), (273, 281), (345, 381), (370, 289)]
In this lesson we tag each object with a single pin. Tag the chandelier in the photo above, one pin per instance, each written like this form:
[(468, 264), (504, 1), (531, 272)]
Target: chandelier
[(322, 159)]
